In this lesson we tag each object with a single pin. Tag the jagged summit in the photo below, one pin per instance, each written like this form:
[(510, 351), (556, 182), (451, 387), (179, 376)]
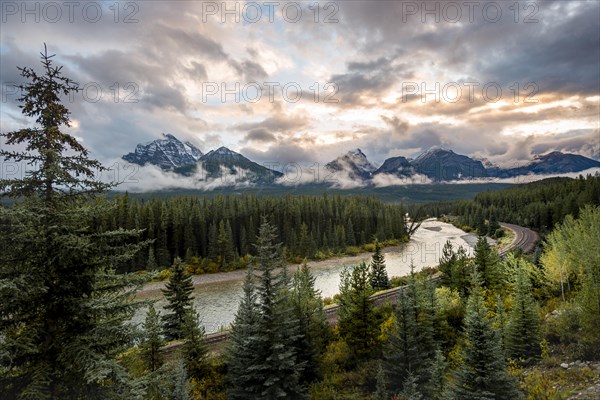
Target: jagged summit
[(355, 163), (167, 153)]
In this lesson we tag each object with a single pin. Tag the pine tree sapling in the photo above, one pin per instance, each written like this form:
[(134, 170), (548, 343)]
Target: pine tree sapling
[(178, 292)]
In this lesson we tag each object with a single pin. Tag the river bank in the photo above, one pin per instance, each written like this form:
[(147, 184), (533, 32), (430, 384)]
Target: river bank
[(152, 289)]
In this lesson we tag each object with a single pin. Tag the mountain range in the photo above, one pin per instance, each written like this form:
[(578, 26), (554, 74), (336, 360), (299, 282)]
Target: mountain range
[(437, 164)]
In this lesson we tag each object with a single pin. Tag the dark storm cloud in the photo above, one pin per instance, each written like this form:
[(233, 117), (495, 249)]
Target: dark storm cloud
[(562, 57), (560, 51), (366, 82)]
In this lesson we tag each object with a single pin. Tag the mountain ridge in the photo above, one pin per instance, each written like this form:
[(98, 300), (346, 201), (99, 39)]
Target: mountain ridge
[(437, 163)]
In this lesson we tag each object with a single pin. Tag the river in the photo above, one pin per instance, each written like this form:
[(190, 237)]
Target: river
[(216, 296)]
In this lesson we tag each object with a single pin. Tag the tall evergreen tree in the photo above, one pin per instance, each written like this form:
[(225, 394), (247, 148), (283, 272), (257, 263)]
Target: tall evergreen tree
[(151, 262), (178, 292), (308, 310), (487, 262), (194, 349), (482, 373), (356, 317), (523, 330), (378, 274), (410, 388), (438, 388), (181, 386), (402, 353), (500, 321), (225, 244), (64, 311), (447, 263), (493, 224), (152, 341), (274, 371), (461, 272), (412, 346), (244, 382)]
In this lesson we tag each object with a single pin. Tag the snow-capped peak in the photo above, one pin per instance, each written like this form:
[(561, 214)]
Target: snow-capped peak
[(167, 153)]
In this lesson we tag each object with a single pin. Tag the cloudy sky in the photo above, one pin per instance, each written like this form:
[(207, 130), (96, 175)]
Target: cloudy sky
[(503, 81)]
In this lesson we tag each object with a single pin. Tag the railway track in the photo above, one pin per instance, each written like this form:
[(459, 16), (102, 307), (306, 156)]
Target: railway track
[(525, 239)]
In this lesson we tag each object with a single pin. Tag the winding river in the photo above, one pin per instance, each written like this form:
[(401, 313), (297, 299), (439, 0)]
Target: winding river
[(216, 296)]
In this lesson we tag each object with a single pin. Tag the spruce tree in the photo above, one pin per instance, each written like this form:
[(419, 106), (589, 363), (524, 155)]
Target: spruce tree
[(493, 225), (412, 346), (64, 310), (410, 389), (181, 386), (378, 274), (438, 388), (225, 245), (151, 263), (487, 262), (447, 263), (152, 341), (178, 292), (194, 349), (357, 323), (500, 322), (402, 352), (523, 329), (265, 340), (307, 306), (482, 373), (461, 271), (278, 330), (243, 381)]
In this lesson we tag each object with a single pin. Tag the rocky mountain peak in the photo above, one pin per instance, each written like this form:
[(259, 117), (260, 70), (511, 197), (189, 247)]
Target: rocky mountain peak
[(167, 153)]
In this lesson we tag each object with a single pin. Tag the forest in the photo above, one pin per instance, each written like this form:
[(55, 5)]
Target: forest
[(480, 327), (538, 205), (218, 233)]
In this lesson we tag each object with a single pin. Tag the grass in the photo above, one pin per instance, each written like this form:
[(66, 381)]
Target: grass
[(505, 240)]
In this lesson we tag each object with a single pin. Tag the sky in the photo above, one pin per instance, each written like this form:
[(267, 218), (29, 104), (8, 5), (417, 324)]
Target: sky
[(303, 82)]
